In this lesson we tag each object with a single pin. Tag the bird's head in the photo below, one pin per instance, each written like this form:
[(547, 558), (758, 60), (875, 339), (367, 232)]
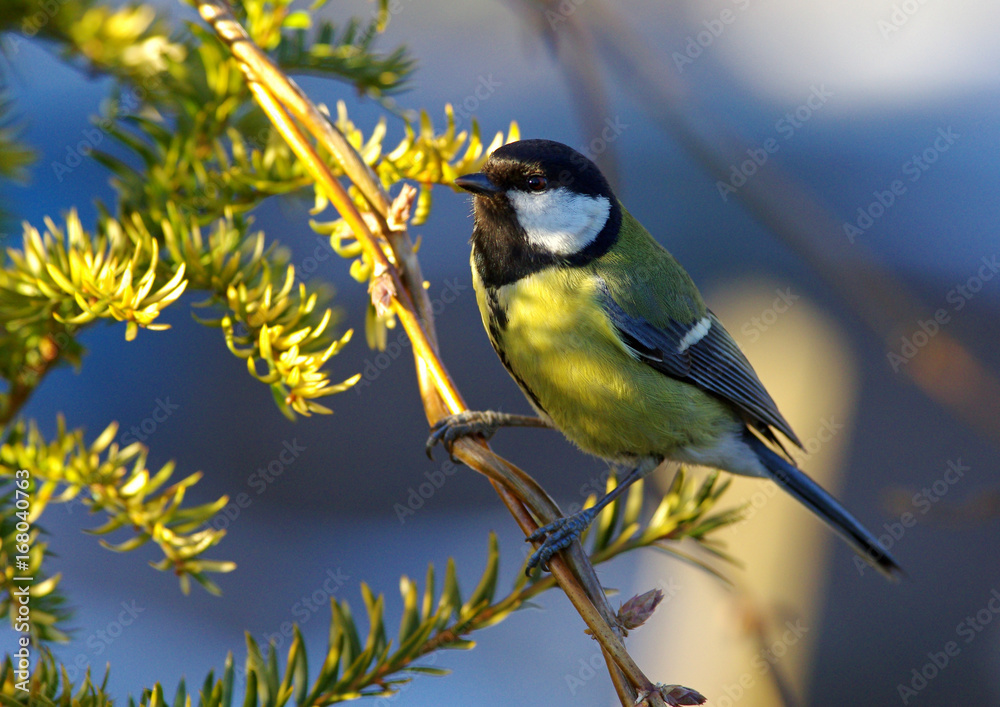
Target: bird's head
[(541, 199)]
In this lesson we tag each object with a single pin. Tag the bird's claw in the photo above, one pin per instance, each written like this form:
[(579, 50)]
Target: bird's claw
[(556, 536), (449, 429)]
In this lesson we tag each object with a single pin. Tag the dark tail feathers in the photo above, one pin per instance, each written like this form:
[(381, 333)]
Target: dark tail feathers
[(826, 506)]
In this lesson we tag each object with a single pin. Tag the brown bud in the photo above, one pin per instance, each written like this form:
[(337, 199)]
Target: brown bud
[(671, 695), (382, 291), (680, 695), (402, 205), (637, 610)]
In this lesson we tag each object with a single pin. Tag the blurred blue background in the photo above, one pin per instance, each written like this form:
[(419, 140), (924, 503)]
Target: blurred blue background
[(328, 522)]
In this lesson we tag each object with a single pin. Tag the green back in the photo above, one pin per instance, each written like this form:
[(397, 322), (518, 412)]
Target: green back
[(646, 280)]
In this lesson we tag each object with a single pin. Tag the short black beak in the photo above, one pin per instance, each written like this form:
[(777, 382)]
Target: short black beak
[(478, 183)]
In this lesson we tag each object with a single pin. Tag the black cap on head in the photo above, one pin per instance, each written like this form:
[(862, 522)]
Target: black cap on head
[(510, 165), (502, 251)]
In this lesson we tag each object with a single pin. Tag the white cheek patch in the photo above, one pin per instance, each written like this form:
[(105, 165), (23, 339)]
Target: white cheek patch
[(560, 221)]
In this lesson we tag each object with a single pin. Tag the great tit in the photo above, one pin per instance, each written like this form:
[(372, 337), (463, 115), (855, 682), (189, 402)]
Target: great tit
[(611, 342)]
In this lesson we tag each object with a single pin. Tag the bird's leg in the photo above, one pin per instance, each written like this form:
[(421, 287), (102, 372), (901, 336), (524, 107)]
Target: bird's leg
[(561, 532), (469, 423)]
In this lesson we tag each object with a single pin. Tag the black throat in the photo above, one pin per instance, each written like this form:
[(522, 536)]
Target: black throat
[(502, 254)]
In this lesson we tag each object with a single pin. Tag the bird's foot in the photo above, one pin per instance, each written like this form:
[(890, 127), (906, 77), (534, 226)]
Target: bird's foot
[(557, 535), (465, 424)]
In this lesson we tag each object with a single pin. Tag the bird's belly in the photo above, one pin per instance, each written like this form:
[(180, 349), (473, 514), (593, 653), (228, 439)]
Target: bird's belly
[(565, 354)]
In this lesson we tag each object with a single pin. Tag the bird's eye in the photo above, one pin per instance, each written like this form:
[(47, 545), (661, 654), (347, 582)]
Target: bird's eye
[(537, 182)]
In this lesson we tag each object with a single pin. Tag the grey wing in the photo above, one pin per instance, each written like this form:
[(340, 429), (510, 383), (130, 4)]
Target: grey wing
[(704, 354)]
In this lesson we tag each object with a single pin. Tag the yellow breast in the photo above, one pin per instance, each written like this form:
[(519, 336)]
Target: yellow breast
[(560, 347)]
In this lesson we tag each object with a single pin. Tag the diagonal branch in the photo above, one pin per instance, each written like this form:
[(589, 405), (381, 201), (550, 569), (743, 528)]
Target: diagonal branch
[(280, 97)]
